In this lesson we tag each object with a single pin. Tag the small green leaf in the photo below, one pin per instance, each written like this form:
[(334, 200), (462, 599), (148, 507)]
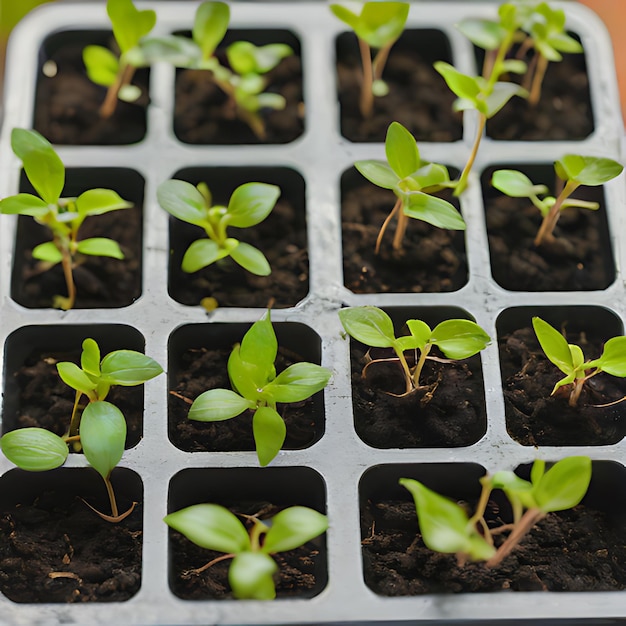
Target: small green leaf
[(501, 94), (613, 359), (460, 339), (202, 253), (100, 201), (179, 51), (564, 485), (485, 34), (369, 325), (101, 64), (420, 331), (433, 210), (251, 259), (269, 432), (554, 345), (514, 66), (217, 405), (298, 382), (247, 378), (90, 358), (24, 204), (182, 200), (345, 15), (251, 203), (246, 58), (516, 184), (462, 85), (210, 526), (432, 176), (378, 172), (401, 150), (128, 368), (34, 449), (381, 23), (251, 576), (47, 252), (210, 26), (587, 170), (100, 246), (75, 378), (129, 93), (102, 436), (292, 528), (259, 347), (129, 24)]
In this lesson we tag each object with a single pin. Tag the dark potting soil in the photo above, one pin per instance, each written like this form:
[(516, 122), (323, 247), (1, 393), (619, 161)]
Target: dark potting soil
[(579, 258), (67, 106), (535, 418), (418, 97), (449, 412), (45, 401), (563, 113), (202, 369), (58, 550), (101, 282), (299, 570), (282, 239), (577, 550), (204, 115), (431, 260)]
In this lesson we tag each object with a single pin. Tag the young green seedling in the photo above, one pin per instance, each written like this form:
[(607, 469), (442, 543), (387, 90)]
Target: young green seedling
[(63, 216), (105, 68), (412, 181), (249, 205), (250, 575), (457, 339), (574, 170), (377, 26), (244, 81), (569, 358), (99, 428), (256, 387), (446, 527)]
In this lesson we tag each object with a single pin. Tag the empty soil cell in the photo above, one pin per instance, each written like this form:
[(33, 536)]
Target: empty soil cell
[(204, 115), (418, 97), (54, 548), (67, 106), (431, 259), (282, 237)]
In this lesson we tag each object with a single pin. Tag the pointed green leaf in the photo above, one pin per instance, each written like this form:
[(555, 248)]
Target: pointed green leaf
[(554, 345), (369, 325), (378, 172), (251, 203), (564, 485), (568, 380), (182, 200), (99, 201), (128, 368), (210, 26), (129, 24), (100, 246), (292, 528), (485, 34), (298, 382), (345, 15), (501, 94), (420, 331), (431, 176), (381, 23), (217, 405), (269, 432), (462, 85), (587, 170), (251, 259), (101, 64), (433, 210), (247, 378), (460, 339), (34, 449), (246, 58), (613, 359), (47, 252), (259, 347), (202, 253), (251, 576), (401, 150), (24, 204), (90, 358), (179, 51), (74, 377), (516, 184)]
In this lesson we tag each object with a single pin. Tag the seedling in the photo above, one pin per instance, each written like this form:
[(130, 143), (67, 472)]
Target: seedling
[(569, 358), (250, 575), (63, 216), (457, 339), (99, 427), (105, 68), (244, 81), (446, 527), (377, 26), (256, 387), (573, 170), (412, 181), (249, 205)]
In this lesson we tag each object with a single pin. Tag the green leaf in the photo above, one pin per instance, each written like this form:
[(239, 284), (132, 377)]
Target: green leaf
[(501, 94), (42, 165), (202, 253), (613, 359), (251, 203), (378, 172), (90, 358), (251, 576), (24, 204), (587, 170), (564, 43), (210, 526), (217, 405), (100, 246), (345, 15), (564, 485), (101, 64), (100, 201), (369, 325), (34, 449), (554, 345), (129, 24), (401, 150), (269, 432), (381, 23), (246, 58), (247, 378), (102, 436), (485, 34), (462, 85), (514, 66), (259, 347), (433, 210), (292, 528), (47, 252), (182, 200), (516, 184), (210, 26), (431, 176), (298, 382), (179, 51), (459, 339), (251, 259), (420, 331), (75, 378), (128, 368)]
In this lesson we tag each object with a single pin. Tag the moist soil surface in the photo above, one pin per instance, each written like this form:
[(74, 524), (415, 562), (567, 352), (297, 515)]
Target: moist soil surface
[(199, 370), (563, 113), (579, 258), (67, 106), (282, 239), (577, 550), (448, 412), (418, 97), (101, 282), (204, 115), (299, 570), (45, 401), (535, 418), (430, 260), (57, 550)]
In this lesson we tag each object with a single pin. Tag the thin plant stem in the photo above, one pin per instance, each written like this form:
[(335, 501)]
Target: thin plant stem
[(403, 222), (366, 103), (66, 263), (75, 419), (206, 566), (540, 72), (124, 76), (552, 217), (111, 494), (417, 372), (462, 183), (407, 371), (529, 519), (383, 228), (380, 60)]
